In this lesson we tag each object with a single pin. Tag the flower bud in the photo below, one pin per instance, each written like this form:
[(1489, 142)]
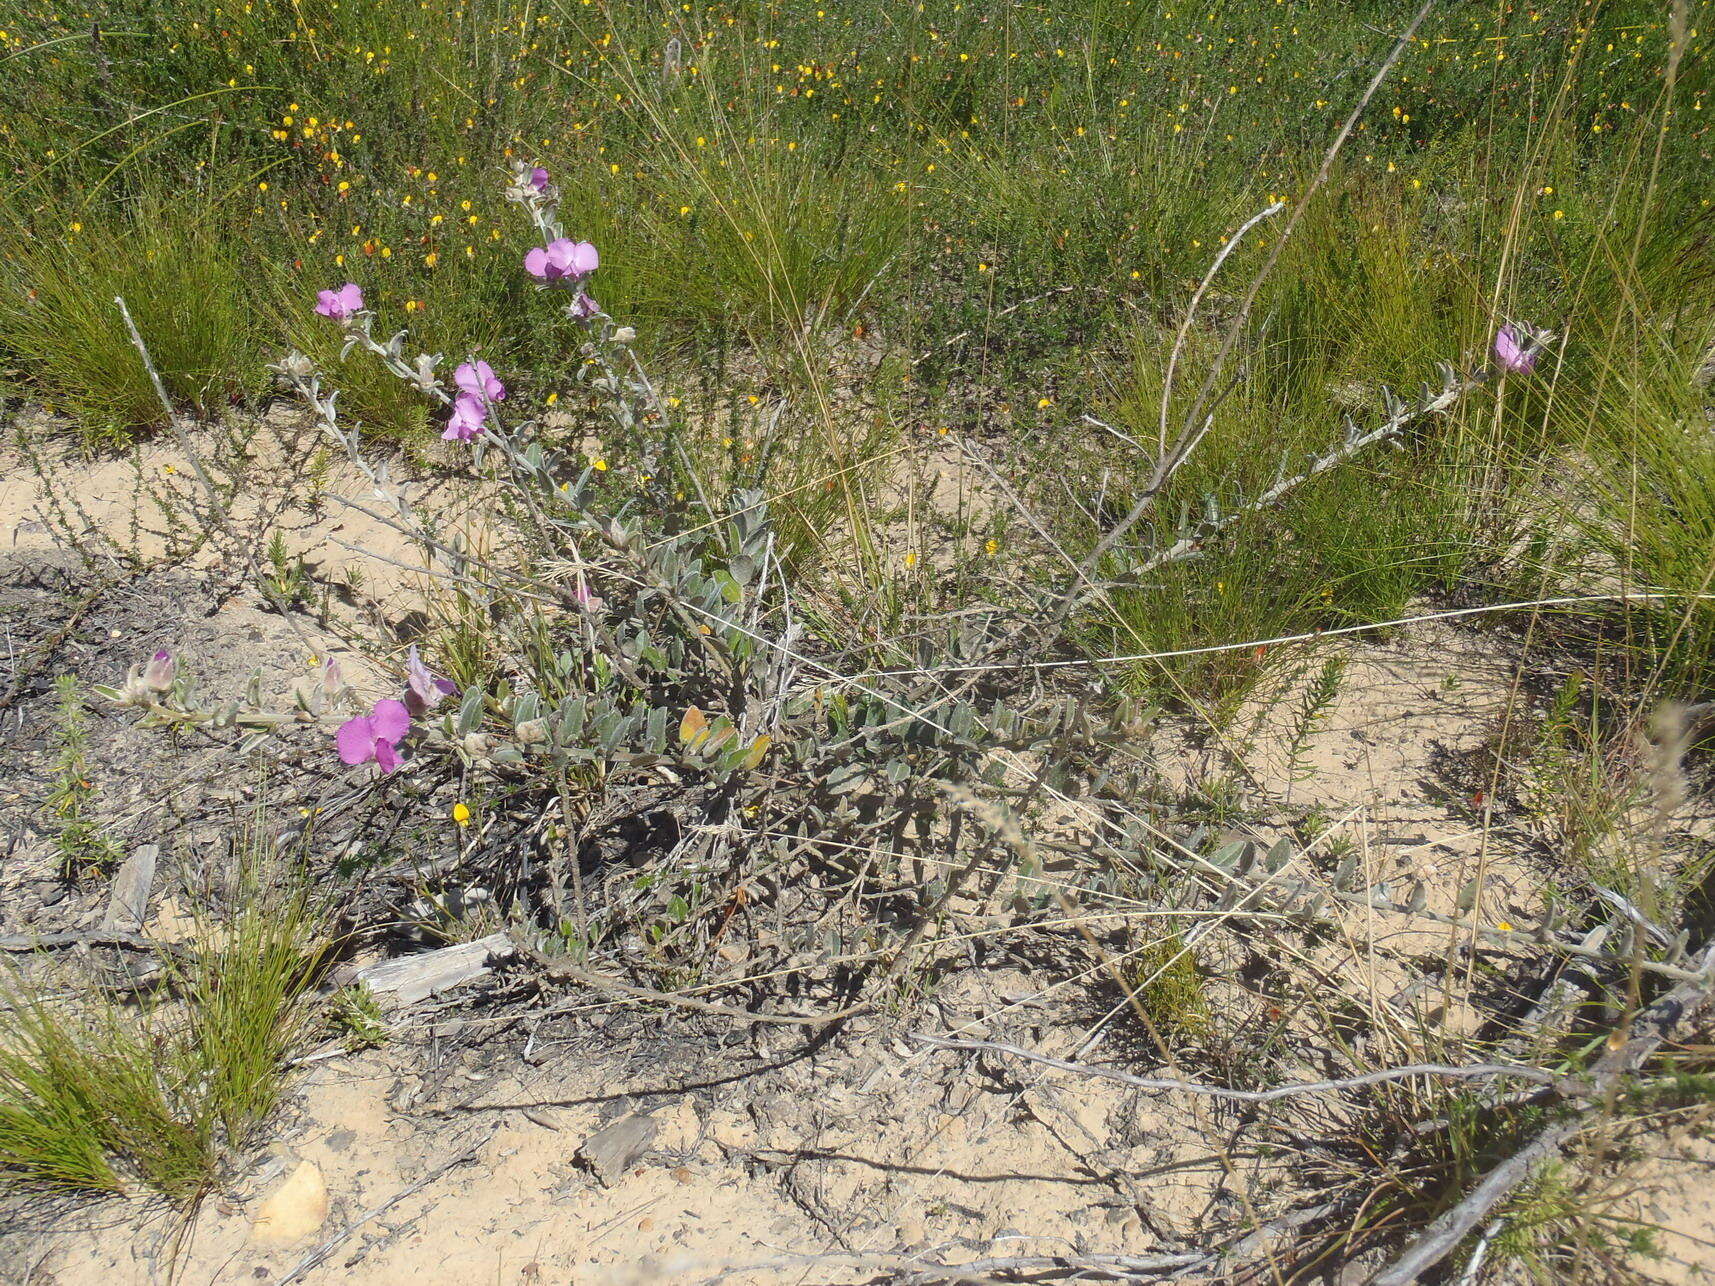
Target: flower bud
[(160, 671), (425, 376), (531, 732), (135, 692), (295, 366)]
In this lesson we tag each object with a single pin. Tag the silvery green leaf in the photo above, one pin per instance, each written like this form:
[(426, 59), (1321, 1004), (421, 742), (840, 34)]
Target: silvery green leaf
[(1247, 858), (610, 742), (847, 777), (470, 712)]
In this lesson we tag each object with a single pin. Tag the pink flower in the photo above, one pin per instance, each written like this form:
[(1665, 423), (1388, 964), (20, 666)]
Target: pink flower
[(468, 419), (585, 599), (538, 178), (479, 382), (374, 735), (1511, 354), (342, 303), (562, 259), (423, 691), (584, 307)]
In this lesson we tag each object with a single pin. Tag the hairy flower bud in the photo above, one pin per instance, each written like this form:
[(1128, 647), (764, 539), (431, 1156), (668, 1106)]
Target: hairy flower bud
[(145, 681), (295, 366), (160, 671), (425, 376)]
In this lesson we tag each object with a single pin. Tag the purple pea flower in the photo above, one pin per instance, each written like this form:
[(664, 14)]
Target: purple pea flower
[(478, 380), (1511, 354), (584, 307), (538, 178), (342, 303), (562, 259), (423, 691), (374, 735), (586, 599), (469, 418)]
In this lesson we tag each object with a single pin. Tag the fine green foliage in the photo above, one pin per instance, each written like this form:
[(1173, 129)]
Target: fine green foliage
[(180, 271), (98, 1095), (75, 1092), (243, 994), (1169, 984), (354, 1017), (1557, 1221), (83, 845), (287, 580)]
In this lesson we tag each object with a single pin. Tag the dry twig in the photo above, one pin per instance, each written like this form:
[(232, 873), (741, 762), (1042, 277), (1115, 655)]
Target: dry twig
[(1648, 1031), (1473, 1072)]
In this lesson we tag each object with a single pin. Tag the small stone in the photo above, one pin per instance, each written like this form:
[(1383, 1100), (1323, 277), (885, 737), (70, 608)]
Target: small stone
[(298, 1208)]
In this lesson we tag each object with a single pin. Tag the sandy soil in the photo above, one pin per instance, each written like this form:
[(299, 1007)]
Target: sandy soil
[(469, 1147)]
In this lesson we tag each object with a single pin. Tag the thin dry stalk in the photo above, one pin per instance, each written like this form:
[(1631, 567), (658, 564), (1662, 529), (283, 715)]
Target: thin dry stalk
[(1477, 1071), (1646, 1034)]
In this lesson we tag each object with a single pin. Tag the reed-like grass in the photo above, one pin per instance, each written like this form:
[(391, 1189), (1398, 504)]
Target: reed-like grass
[(764, 183), (99, 1093)]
